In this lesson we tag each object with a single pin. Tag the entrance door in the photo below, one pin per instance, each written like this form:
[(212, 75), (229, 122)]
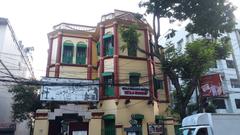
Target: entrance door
[(78, 128)]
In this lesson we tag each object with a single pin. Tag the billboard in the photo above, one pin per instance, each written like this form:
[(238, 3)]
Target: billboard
[(134, 91), (58, 89), (211, 85)]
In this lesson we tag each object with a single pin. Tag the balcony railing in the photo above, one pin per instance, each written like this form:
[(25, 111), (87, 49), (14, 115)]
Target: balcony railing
[(108, 17), (68, 26)]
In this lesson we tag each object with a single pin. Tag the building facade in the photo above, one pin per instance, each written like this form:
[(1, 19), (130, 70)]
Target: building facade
[(132, 92), (14, 64), (228, 69)]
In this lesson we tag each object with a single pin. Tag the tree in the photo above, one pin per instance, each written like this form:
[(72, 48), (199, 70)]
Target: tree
[(25, 101), (207, 19), (189, 66)]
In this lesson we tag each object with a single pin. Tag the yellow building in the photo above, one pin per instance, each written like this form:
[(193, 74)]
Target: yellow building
[(133, 92)]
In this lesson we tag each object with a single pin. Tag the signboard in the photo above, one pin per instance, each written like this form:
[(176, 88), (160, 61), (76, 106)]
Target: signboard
[(210, 85), (155, 129), (135, 91), (58, 89)]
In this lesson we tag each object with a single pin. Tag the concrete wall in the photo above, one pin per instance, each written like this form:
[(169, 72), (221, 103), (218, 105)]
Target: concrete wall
[(73, 72), (54, 51), (124, 111), (12, 58), (130, 65), (108, 65)]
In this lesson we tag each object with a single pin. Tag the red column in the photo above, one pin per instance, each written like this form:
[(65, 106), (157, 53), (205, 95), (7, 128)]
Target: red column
[(59, 53), (165, 79), (49, 56), (101, 65), (89, 58), (148, 62), (116, 60)]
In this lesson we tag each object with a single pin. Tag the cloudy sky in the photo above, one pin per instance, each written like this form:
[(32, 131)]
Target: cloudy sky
[(33, 19)]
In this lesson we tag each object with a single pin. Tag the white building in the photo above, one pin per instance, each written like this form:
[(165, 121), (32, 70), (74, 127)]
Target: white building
[(228, 68), (14, 63)]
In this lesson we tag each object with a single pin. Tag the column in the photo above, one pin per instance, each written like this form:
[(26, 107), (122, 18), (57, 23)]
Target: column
[(116, 60), (89, 58), (101, 65), (150, 77), (41, 122), (49, 56), (95, 127), (59, 54)]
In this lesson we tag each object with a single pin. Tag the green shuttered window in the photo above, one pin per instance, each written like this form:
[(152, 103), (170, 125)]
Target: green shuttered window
[(108, 83), (68, 52), (81, 54), (108, 44), (109, 125), (134, 78), (74, 53)]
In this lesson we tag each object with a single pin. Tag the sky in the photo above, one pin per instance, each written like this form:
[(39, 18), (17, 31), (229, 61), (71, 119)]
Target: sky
[(33, 19)]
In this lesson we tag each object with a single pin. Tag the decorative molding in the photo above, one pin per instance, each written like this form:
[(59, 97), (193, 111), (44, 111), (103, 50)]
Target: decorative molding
[(134, 58)]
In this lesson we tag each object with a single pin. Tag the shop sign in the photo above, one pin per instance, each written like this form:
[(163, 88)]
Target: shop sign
[(137, 91), (58, 89), (155, 129), (211, 85)]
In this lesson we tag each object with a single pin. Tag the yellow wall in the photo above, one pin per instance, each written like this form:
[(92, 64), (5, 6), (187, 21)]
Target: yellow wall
[(108, 65), (109, 30), (52, 72), (95, 127), (130, 65), (41, 127), (108, 106), (54, 51), (94, 74), (141, 44), (75, 41), (94, 54), (135, 107), (124, 111), (73, 72), (41, 123)]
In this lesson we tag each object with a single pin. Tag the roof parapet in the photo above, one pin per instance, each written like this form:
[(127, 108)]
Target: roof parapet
[(69, 26)]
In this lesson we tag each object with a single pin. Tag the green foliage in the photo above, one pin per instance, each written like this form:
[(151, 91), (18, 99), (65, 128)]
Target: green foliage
[(130, 37), (198, 57), (26, 101), (210, 108), (207, 17), (189, 66), (192, 108), (211, 17)]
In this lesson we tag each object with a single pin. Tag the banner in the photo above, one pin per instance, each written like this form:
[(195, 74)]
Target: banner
[(135, 91), (58, 89), (211, 85)]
